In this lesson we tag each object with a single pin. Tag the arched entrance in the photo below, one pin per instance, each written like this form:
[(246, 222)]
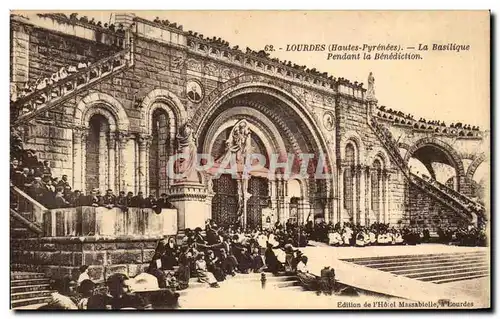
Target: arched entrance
[(97, 154), (284, 127), (437, 160)]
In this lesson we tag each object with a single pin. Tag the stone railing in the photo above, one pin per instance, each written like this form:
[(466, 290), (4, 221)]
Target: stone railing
[(458, 203), (446, 199), (464, 200), (385, 136), (42, 100), (112, 223), (26, 206), (426, 127)]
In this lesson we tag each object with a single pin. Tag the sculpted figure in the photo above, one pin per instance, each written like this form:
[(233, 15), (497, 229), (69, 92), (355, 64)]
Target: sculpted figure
[(186, 145), (239, 143), (371, 86)]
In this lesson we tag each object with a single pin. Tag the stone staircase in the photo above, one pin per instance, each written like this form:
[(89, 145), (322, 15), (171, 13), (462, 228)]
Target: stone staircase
[(458, 202), (45, 98), (29, 290), (435, 268)]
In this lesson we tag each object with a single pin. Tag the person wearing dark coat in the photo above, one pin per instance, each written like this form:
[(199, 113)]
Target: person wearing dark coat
[(245, 262), (150, 202), (108, 200), (272, 262), (138, 201), (121, 201), (163, 202), (92, 199), (213, 266), (59, 200), (64, 183), (77, 199)]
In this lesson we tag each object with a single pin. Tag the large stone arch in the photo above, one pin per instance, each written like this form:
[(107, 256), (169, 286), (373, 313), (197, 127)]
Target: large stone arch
[(258, 122), (311, 133), (247, 84), (165, 100), (104, 104), (453, 156), (476, 162)]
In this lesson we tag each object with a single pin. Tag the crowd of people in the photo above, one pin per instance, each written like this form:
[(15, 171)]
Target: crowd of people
[(35, 178), (63, 73), (211, 255), (463, 236), (433, 123), (350, 234)]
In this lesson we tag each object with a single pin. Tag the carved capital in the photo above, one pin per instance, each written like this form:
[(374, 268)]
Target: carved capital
[(122, 138), (144, 140)]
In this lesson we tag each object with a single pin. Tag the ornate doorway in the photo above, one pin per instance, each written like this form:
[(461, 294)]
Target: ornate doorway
[(225, 201), (258, 187)]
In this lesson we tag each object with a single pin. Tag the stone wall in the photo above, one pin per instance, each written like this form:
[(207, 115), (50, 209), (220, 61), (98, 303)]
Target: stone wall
[(423, 210), (62, 256)]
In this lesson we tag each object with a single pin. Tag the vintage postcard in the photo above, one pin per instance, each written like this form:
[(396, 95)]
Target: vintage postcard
[(250, 160)]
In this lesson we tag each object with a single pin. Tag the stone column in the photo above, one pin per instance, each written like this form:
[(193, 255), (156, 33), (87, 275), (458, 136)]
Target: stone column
[(355, 197), (340, 206), (386, 192), (112, 161), (122, 138), (189, 199), (368, 194), (362, 194), (83, 172), (77, 158), (143, 141)]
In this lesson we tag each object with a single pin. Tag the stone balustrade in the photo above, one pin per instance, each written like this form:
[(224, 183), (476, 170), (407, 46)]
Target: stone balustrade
[(42, 99), (112, 223), (421, 126)]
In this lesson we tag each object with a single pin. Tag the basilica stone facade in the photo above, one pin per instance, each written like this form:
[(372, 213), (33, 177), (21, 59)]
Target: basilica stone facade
[(115, 122)]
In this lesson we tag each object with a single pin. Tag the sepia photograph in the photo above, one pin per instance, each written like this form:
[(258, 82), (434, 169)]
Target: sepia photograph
[(258, 160)]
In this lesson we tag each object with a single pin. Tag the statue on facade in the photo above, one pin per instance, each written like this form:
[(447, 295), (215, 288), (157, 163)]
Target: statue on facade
[(238, 144), (370, 93), (186, 145)]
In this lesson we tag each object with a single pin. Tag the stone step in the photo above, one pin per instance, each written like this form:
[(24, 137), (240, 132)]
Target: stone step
[(14, 304), (28, 288), (396, 263), (31, 306), (417, 265), (418, 268), (424, 274), (28, 282), (286, 284), (19, 275), (444, 281), (391, 259), (30, 294), (454, 276), (400, 257)]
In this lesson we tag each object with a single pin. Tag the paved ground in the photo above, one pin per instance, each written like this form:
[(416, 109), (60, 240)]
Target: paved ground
[(250, 295)]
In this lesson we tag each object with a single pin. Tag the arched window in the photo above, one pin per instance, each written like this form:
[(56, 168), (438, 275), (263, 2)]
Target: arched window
[(376, 180), (350, 160), (158, 152), (96, 157)]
